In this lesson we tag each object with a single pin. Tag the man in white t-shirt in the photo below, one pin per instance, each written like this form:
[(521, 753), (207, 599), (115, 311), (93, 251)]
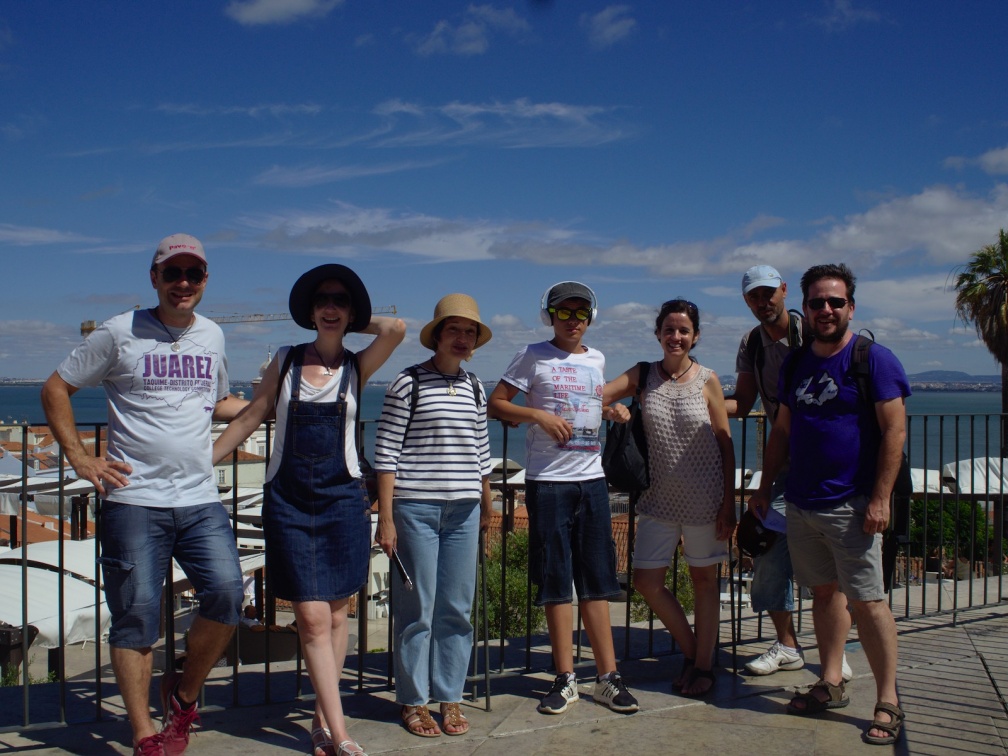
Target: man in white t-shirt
[(164, 372), (566, 493)]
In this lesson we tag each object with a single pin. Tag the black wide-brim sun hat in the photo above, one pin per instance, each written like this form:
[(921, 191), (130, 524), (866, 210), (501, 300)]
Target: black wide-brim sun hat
[(304, 289)]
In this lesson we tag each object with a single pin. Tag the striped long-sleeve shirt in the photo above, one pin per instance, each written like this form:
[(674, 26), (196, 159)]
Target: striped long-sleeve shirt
[(446, 451)]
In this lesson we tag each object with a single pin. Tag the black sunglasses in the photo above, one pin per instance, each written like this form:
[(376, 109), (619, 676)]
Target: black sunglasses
[(675, 304), (194, 275), (835, 303), (336, 299)]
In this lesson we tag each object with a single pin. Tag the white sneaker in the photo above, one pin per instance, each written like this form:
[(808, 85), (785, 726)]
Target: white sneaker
[(612, 692), (776, 657), (845, 670)]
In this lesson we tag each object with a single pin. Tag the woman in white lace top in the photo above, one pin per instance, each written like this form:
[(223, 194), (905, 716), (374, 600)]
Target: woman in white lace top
[(691, 497)]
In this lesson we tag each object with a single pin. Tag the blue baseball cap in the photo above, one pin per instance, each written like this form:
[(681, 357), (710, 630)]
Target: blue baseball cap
[(761, 275)]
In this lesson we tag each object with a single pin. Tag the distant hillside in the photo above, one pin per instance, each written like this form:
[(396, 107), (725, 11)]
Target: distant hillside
[(953, 376)]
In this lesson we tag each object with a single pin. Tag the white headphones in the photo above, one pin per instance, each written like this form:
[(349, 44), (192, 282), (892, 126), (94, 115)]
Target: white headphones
[(544, 314)]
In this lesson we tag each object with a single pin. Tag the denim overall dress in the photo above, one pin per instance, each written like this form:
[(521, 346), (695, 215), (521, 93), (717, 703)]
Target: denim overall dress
[(316, 517)]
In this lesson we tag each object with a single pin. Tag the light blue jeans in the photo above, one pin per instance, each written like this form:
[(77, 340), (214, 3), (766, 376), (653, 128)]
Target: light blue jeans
[(438, 542), (773, 577)]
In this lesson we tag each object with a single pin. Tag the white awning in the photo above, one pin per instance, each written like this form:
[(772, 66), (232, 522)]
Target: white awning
[(981, 475), (78, 585), (43, 605)]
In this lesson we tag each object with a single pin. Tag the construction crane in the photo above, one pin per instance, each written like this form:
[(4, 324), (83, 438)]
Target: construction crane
[(256, 317), (87, 326)]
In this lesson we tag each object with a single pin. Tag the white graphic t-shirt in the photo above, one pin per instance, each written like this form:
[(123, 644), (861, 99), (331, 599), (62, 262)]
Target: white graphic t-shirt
[(569, 385), (160, 404)]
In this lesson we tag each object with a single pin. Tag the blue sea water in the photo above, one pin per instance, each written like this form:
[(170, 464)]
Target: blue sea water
[(934, 435)]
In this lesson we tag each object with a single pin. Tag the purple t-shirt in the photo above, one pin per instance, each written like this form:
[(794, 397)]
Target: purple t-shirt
[(834, 434)]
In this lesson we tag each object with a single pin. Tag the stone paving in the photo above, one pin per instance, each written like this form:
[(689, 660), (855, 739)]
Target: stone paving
[(953, 677)]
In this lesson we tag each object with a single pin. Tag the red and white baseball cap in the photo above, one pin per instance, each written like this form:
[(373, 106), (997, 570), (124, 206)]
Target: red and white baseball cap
[(178, 244)]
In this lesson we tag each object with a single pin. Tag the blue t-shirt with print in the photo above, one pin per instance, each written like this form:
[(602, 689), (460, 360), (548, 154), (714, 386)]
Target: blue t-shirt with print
[(834, 433)]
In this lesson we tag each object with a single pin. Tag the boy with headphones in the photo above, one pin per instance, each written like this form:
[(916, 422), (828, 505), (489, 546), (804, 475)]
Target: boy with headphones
[(566, 492)]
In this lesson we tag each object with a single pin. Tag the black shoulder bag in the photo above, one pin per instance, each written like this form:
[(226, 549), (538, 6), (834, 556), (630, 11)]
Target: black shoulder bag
[(625, 456)]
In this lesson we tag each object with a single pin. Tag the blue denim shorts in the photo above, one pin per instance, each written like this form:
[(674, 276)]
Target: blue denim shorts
[(138, 544), (571, 541), (773, 576)]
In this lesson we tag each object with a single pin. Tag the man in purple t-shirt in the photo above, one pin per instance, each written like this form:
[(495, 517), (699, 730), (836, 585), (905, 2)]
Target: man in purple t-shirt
[(845, 452)]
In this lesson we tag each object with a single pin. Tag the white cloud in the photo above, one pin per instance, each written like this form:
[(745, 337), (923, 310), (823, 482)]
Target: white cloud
[(508, 322), (609, 26), (29, 236), (841, 14), (320, 174), (354, 231), (945, 223), (938, 227), (471, 35), (505, 20), (262, 12), (276, 109), (994, 161), (519, 123)]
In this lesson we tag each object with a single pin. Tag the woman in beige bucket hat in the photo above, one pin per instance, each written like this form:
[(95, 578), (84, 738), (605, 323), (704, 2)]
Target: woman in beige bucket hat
[(432, 454)]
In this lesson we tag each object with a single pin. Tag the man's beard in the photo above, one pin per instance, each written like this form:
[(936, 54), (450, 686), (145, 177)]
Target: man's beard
[(835, 337)]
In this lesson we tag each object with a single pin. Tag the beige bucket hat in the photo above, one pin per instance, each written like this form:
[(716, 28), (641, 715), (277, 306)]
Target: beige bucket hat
[(455, 306)]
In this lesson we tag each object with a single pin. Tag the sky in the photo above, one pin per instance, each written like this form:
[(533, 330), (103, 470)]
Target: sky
[(649, 149)]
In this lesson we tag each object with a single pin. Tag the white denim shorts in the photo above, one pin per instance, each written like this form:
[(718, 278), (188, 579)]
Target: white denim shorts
[(656, 541)]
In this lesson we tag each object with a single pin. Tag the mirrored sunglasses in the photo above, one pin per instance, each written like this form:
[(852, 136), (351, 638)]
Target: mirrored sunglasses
[(564, 313)]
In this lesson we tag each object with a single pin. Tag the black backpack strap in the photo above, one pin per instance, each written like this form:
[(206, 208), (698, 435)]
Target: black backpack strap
[(799, 330), (860, 369), (789, 368), (295, 351), (414, 375), (351, 361), (475, 387), (861, 372), (643, 368), (754, 351)]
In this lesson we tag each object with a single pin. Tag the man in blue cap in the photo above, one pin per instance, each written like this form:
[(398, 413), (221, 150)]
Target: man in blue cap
[(760, 355)]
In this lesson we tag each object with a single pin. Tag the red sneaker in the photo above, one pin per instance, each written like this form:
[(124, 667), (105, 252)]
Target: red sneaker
[(177, 721), (152, 745)]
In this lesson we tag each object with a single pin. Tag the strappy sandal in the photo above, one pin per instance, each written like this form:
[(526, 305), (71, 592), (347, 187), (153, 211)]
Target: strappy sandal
[(321, 741), (452, 716), (349, 748), (892, 728), (812, 704), (684, 674), (699, 674), (416, 719)]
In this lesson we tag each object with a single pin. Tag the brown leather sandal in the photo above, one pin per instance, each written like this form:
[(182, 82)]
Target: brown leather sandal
[(416, 719), (812, 704), (452, 716), (892, 728)]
